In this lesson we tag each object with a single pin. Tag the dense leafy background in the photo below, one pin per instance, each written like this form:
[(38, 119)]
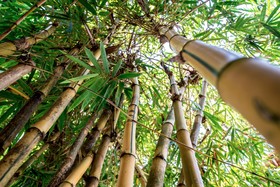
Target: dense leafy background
[(247, 27)]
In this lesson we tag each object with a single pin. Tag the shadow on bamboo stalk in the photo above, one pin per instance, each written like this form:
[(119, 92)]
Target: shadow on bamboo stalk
[(13, 160), (20, 119), (190, 167), (250, 85), (127, 165), (9, 48)]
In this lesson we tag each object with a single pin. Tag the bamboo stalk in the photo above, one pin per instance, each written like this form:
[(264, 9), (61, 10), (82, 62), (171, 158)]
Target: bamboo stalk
[(77, 172), (9, 48), (97, 163), (11, 28), (156, 176), (13, 74), (20, 119), (198, 118), (13, 160), (127, 165), (141, 176), (190, 166), (181, 182), (250, 85), (95, 132)]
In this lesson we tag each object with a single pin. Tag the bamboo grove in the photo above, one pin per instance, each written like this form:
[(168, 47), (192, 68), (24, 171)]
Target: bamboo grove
[(139, 93)]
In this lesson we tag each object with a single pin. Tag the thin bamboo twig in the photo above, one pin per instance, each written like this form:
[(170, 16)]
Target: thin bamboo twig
[(11, 28), (9, 48), (174, 140), (141, 176)]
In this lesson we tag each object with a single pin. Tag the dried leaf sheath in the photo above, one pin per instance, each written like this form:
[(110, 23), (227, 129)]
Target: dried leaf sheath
[(156, 176), (127, 166), (250, 85)]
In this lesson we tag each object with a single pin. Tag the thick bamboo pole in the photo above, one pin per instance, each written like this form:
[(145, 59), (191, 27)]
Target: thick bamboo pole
[(127, 166), (9, 48), (190, 166), (13, 74), (95, 132), (250, 85), (198, 118), (97, 163), (10, 29), (156, 177), (77, 172), (20, 119), (13, 160)]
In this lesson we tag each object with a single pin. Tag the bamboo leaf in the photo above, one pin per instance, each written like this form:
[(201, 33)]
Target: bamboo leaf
[(104, 58), (116, 68), (83, 77), (274, 13), (272, 30), (129, 75), (93, 60), (88, 6), (78, 61)]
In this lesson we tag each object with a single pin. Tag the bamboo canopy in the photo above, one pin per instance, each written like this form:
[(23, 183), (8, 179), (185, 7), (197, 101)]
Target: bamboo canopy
[(250, 85), (9, 48), (127, 166)]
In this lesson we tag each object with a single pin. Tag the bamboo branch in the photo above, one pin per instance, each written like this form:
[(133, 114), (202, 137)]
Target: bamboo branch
[(11, 28), (141, 176), (9, 48)]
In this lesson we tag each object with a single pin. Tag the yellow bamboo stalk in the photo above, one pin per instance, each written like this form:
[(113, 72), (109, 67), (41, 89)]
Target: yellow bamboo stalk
[(250, 85), (156, 176), (16, 91), (127, 165), (13, 74), (10, 29), (190, 166), (77, 172), (13, 160), (9, 48)]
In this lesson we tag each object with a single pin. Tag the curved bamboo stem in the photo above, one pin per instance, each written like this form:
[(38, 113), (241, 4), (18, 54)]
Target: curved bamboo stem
[(156, 176), (127, 166), (10, 29), (9, 48), (250, 85)]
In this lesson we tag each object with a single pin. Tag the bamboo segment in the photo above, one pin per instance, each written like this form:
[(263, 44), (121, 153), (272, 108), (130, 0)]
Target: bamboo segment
[(95, 132), (77, 173), (198, 118), (156, 177), (126, 173), (97, 163), (181, 181), (250, 85), (13, 74), (9, 48)]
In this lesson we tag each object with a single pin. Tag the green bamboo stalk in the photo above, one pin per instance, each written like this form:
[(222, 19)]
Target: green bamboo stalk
[(20, 119), (11, 28), (156, 176), (190, 166), (250, 85), (127, 165), (9, 48)]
